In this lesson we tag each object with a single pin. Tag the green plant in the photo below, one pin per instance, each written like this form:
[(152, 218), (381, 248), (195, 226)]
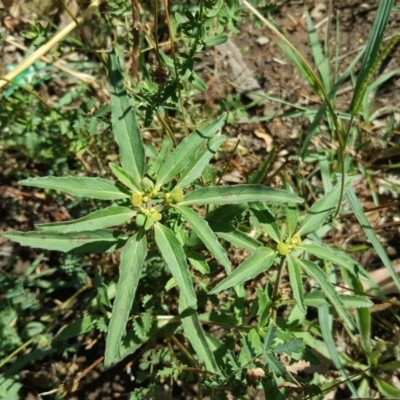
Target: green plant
[(179, 236), (161, 206)]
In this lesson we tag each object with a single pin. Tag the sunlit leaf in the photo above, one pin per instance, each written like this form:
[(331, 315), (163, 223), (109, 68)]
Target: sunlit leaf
[(101, 219), (238, 194), (258, 262), (187, 150), (173, 254), (130, 270), (207, 236), (94, 188), (79, 242), (125, 127)]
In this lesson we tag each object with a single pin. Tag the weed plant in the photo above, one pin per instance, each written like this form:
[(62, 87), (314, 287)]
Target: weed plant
[(222, 286)]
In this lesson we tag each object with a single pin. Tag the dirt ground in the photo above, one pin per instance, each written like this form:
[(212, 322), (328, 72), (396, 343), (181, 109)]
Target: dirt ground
[(276, 77)]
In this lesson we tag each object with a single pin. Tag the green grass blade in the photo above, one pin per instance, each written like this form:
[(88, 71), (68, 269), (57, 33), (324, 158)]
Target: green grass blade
[(206, 235), (296, 282), (238, 194), (187, 150), (101, 219), (195, 334), (77, 242), (325, 322), (125, 127), (372, 56), (321, 62), (368, 230), (318, 274), (173, 254), (93, 188), (363, 315), (258, 262), (130, 270), (196, 167)]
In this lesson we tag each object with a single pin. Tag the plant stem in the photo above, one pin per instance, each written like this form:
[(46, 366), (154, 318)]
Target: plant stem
[(275, 293)]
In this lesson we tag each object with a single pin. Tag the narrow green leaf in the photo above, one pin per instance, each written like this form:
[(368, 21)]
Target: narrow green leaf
[(385, 388), (296, 282), (317, 273), (238, 194), (366, 226), (202, 159), (258, 262), (267, 221), (207, 236), (215, 40), (199, 263), (325, 322), (234, 236), (79, 242), (336, 257), (318, 299), (187, 150), (101, 219), (319, 211), (93, 188), (320, 60), (292, 215), (124, 177), (125, 127), (195, 334), (372, 56), (130, 270), (173, 254), (363, 315)]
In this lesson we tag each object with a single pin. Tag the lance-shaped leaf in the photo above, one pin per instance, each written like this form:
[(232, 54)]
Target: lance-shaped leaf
[(93, 188), (202, 159), (258, 262), (196, 336), (355, 205), (79, 242), (206, 235), (296, 282), (124, 177), (125, 127), (319, 211), (130, 270), (238, 194), (101, 219), (267, 221), (336, 257), (234, 236), (318, 299), (173, 254), (318, 274), (187, 150)]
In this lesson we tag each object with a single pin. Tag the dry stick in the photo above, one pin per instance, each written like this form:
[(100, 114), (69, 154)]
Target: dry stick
[(41, 51), (136, 38), (59, 64)]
